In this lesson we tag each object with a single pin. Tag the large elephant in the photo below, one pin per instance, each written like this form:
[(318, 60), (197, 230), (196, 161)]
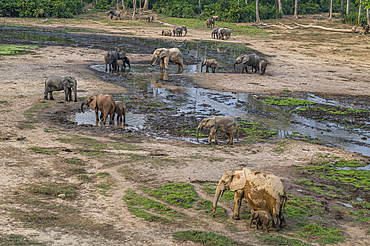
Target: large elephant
[(212, 63), (168, 55), (226, 124), (102, 103), (262, 191), (210, 23), (56, 83), (177, 30), (115, 13), (252, 60), (223, 33), (111, 60)]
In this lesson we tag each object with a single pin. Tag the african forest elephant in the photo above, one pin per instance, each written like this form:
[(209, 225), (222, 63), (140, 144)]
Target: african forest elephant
[(177, 30), (226, 124), (120, 109), (56, 83), (115, 13), (215, 17), (262, 66), (252, 60), (102, 103), (210, 23), (111, 60), (262, 191), (166, 33), (214, 33), (121, 63), (261, 218), (223, 33), (212, 63), (168, 55)]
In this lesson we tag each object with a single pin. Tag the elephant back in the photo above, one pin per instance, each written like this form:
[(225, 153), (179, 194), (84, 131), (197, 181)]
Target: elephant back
[(253, 60)]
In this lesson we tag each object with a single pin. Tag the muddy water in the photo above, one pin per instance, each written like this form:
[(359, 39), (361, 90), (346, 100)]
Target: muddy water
[(197, 102)]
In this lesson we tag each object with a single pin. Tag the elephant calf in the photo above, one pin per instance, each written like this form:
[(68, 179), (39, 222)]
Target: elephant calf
[(56, 83), (166, 33), (120, 110), (209, 63), (226, 124), (261, 218)]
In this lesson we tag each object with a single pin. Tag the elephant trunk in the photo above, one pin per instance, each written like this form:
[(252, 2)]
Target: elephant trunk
[(82, 106), (153, 57), (219, 192), (234, 65), (199, 128)]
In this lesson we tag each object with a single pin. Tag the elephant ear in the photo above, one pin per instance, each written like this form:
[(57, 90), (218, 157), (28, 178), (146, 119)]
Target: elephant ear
[(65, 81), (92, 103), (238, 181), (163, 53)]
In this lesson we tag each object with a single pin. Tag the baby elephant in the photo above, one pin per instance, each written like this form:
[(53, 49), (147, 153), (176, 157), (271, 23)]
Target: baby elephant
[(212, 63), (262, 218), (121, 63), (226, 124), (56, 83), (120, 110), (166, 33)]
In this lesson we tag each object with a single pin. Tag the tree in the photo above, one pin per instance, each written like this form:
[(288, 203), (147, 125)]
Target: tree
[(348, 4), (146, 3), (139, 4), (246, 2), (124, 7), (280, 6), (296, 9), (359, 13), (367, 7), (117, 4), (134, 12), (330, 10), (257, 13)]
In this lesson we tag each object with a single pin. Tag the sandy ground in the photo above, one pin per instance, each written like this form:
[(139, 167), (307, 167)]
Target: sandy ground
[(295, 66)]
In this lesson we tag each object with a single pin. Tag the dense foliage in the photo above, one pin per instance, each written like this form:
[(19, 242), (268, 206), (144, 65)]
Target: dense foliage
[(40, 8), (352, 17)]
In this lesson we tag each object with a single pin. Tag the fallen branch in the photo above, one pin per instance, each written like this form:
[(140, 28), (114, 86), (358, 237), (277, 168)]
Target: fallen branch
[(353, 30)]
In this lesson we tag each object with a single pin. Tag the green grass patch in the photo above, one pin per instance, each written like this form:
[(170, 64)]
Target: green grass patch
[(54, 189), (86, 143), (15, 49), (73, 171), (75, 161), (43, 151), (289, 102), (277, 239), (102, 175), (29, 113), (140, 206), (15, 240), (84, 178), (124, 146), (29, 126), (181, 194), (104, 187), (326, 235), (254, 131), (206, 238)]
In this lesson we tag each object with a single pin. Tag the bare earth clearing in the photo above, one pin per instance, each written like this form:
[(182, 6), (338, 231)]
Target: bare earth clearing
[(100, 166)]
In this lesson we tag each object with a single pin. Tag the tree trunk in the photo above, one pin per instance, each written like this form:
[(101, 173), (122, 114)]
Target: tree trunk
[(280, 6), (368, 16), (359, 13), (139, 4), (117, 5), (134, 12), (246, 2), (331, 10), (146, 4), (342, 5), (257, 13), (296, 9), (124, 7), (348, 4)]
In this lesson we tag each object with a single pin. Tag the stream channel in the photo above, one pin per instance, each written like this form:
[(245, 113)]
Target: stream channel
[(186, 99)]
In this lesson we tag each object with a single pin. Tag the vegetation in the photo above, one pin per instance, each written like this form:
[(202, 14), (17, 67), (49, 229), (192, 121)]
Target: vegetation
[(289, 102), (206, 238), (44, 8), (15, 49), (55, 189), (14, 239)]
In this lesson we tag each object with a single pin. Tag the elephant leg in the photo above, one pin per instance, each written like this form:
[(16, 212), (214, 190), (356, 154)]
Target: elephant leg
[(210, 135), (124, 116), (237, 202), (207, 69), (179, 67), (111, 117), (215, 136), (283, 222), (46, 93), (97, 114), (66, 93), (166, 60), (101, 116), (51, 95), (161, 64)]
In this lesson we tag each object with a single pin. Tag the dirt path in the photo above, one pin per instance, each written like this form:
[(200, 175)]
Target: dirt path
[(113, 164)]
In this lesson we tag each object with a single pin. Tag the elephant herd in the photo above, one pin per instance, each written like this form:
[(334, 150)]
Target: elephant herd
[(221, 33), (176, 31), (115, 60)]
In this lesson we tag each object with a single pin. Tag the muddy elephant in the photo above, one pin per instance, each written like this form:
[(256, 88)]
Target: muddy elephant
[(210, 23), (150, 18), (261, 218), (226, 124), (252, 60), (223, 33), (115, 13), (111, 60), (121, 63), (177, 30), (214, 33), (209, 63), (168, 55), (262, 65), (56, 83), (215, 17), (262, 191), (120, 110), (166, 33), (102, 103)]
